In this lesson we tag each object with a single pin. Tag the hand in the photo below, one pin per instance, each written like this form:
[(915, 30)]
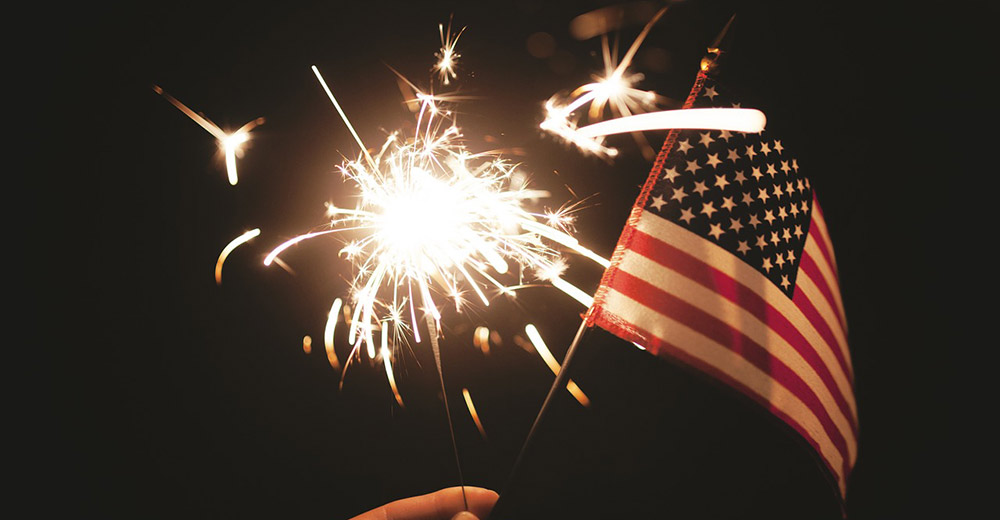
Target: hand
[(445, 504)]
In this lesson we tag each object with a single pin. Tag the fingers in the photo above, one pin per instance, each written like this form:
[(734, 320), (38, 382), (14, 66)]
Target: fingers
[(440, 505)]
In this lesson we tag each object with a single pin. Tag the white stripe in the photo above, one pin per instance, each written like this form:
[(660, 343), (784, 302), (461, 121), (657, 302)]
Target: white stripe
[(820, 222), (714, 304), (730, 363)]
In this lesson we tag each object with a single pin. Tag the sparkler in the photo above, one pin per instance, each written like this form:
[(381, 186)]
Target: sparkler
[(447, 57), (631, 108), (434, 217), (231, 143)]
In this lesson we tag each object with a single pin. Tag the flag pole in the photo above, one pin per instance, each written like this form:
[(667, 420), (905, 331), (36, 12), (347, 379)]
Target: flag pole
[(561, 379)]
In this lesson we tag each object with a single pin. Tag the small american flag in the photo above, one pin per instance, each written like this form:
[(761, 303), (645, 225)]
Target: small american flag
[(726, 265)]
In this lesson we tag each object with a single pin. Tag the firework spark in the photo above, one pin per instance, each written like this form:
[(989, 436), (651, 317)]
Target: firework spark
[(447, 57), (236, 242), (432, 219), (550, 361), (231, 143)]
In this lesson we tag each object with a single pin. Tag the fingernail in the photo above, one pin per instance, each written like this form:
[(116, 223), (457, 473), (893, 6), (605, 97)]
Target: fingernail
[(465, 515)]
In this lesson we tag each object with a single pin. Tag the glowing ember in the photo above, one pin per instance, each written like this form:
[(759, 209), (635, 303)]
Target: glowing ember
[(236, 242)]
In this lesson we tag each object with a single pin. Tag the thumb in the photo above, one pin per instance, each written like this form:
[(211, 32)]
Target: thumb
[(465, 515)]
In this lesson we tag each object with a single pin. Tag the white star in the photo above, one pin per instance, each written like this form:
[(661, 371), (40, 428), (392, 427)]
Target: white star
[(735, 224), (686, 215), (767, 265), (798, 231), (708, 208), (765, 149), (774, 238), (715, 231), (771, 171), (784, 281), (671, 174), (794, 210), (791, 256), (786, 235), (733, 155), (747, 198), (756, 173), (740, 177), (782, 213), (785, 167), (692, 166), (769, 216), (736, 105), (700, 188), (684, 145), (779, 260), (720, 181), (750, 152), (657, 202), (678, 194), (777, 146), (777, 191), (710, 93), (706, 139), (727, 202), (795, 165), (761, 243), (762, 195), (725, 135), (713, 159), (743, 247), (754, 221)]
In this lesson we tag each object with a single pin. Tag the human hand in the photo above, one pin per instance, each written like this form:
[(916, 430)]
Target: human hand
[(446, 504)]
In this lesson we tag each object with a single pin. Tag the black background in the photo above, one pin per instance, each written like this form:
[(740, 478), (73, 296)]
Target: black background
[(164, 395)]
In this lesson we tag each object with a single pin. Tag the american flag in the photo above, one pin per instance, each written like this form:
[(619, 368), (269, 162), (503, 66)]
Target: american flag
[(726, 265)]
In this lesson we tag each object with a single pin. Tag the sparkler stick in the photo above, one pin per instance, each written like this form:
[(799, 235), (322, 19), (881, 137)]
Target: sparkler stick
[(432, 331)]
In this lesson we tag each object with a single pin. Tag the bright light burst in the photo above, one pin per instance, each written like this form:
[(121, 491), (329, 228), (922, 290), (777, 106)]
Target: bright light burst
[(447, 57), (434, 222)]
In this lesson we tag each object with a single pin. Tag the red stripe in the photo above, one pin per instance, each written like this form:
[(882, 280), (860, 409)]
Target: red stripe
[(822, 240), (665, 303), (823, 329), (808, 265), (667, 350), (721, 283)]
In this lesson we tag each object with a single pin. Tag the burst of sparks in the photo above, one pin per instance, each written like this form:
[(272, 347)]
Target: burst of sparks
[(447, 56), (236, 242), (614, 89), (435, 218), (231, 143)]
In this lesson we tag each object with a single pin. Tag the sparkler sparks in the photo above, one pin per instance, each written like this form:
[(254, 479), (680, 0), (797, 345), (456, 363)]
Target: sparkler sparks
[(434, 217), (631, 108), (447, 57), (231, 143), (236, 242)]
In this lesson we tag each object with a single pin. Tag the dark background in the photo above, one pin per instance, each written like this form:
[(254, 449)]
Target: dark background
[(163, 395)]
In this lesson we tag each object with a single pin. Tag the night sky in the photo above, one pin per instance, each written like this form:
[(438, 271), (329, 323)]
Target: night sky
[(163, 395)]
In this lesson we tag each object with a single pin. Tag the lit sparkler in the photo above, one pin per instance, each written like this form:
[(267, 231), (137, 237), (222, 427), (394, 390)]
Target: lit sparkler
[(434, 217), (231, 143)]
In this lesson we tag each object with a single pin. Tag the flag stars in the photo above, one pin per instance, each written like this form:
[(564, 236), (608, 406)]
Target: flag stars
[(692, 166), (728, 204), (775, 239), (784, 282), (750, 152), (805, 207), (740, 177), (777, 147), (765, 149), (747, 198), (782, 214), (713, 160), (721, 182), (789, 188), (724, 134), (755, 173), (795, 165), (733, 155), (683, 145), (754, 221), (678, 194), (799, 186), (657, 202), (785, 167), (794, 210), (708, 208), (786, 235), (762, 195), (670, 174), (706, 139), (710, 93), (735, 225), (798, 232), (777, 191), (767, 265), (791, 257), (769, 216), (771, 170), (761, 242), (743, 247), (700, 188), (686, 215), (779, 260), (715, 230)]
